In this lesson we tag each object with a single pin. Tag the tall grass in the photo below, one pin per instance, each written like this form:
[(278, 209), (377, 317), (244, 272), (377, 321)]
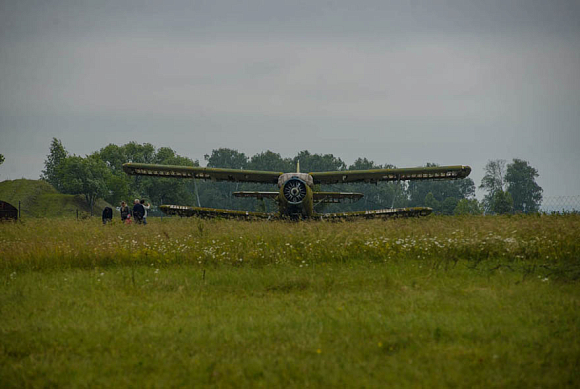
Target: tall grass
[(538, 244), (435, 302)]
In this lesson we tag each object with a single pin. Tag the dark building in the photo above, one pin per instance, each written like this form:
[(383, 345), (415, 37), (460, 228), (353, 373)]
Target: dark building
[(7, 211)]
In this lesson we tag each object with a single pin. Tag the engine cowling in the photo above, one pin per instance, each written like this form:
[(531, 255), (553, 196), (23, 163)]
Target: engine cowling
[(294, 191)]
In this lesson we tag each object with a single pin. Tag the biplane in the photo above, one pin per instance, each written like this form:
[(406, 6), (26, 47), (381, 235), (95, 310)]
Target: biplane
[(296, 196)]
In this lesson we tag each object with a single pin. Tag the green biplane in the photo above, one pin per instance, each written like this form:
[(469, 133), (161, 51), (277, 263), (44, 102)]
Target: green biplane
[(296, 197)]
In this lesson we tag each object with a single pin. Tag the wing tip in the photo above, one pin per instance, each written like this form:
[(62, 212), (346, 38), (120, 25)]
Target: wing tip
[(466, 169)]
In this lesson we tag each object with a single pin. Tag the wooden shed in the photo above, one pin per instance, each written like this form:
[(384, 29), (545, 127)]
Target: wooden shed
[(7, 211)]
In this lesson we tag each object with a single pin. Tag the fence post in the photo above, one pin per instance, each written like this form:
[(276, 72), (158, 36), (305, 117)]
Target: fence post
[(77, 214), (18, 209)]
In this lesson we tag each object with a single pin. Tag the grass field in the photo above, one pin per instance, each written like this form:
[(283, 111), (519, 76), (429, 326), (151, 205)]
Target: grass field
[(434, 302)]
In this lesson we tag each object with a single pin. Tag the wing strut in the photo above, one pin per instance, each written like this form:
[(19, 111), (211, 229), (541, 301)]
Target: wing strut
[(196, 193), (395, 192)]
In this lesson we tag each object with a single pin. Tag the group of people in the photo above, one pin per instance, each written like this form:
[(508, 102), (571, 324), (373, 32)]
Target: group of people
[(137, 214)]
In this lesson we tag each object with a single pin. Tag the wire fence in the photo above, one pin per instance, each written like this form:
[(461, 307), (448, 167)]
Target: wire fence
[(24, 210), (27, 211), (561, 204)]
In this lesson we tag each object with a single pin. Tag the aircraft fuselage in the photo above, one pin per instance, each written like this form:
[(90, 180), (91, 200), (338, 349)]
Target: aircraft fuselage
[(295, 197)]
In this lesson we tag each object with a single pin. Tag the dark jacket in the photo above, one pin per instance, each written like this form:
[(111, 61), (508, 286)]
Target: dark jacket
[(125, 212), (107, 214), (138, 212)]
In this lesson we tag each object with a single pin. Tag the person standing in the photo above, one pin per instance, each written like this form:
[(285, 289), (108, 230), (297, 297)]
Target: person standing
[(125, 211), (107, 215), (146, 208), (138, 211)]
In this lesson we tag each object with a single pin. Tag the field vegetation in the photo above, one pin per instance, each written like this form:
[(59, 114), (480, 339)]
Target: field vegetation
[(39, 199), (468, 301)]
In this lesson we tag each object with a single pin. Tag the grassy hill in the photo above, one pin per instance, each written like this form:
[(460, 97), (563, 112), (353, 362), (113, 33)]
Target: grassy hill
[(39, 199)]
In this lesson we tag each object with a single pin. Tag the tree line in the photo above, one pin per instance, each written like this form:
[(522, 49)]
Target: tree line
[(509, 187)]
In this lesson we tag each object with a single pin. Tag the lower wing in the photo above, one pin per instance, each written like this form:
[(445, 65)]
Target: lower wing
[(182, 210), (378, 214), (336, 197)]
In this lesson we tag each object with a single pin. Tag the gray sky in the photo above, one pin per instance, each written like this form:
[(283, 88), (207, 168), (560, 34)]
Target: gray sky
[(451, 82)]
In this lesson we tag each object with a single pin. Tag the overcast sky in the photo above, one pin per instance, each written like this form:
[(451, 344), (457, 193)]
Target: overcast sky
[(401, 82)]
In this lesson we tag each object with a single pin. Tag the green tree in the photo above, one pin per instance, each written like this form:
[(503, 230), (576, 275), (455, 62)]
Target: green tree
[(431, 202), (87, 176), (502, 202), (448, 205), (522, 186), (157, 190), (468, 207), (270, 161), (317, 162), (227, 159), (494, 178), (364, 164), (139, 153), (57, 155), (118, 185), (115, 156), (493, 181)]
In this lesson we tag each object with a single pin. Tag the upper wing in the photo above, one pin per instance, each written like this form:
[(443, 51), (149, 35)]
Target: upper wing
[(373, 176), (206, 173), (182, 210)]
